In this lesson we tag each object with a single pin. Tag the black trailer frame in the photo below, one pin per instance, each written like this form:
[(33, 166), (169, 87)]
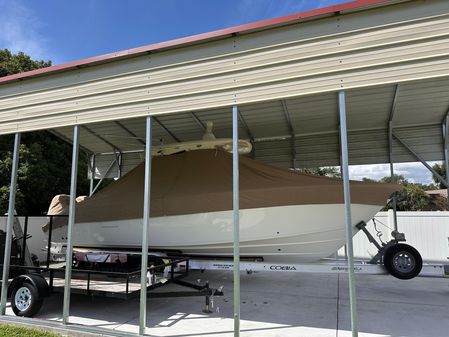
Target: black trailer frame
[(44, 278)]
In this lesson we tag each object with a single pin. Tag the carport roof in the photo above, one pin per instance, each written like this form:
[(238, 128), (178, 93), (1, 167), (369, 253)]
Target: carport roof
[(305, 128), (350, 6), (391, 62)]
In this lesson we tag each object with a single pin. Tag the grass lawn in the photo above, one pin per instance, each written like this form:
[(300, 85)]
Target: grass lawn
[(8, 330)]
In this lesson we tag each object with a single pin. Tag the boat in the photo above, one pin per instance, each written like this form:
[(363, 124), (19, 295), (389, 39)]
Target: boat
[(285, 215)]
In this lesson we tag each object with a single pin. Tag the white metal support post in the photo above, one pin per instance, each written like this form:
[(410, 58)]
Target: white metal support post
[(145, 231), (341, 173), (348, 217), (9, 223), (92, 174), (71, 221), (236, 217), (446, 151), (390, 152), (393, 179)]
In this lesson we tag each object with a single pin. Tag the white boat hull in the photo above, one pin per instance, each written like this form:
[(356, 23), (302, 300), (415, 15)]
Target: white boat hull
[(303, 233)]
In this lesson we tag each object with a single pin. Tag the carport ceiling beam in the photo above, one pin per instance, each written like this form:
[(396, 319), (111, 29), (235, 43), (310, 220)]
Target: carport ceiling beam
[(394, 104), (115, 148), (249, 133), (69, 141), (390, 130), (111, 165), (417, 156), (288, 118), (445, 117), (130, 132), (322, 133), (245, 125), (166, 129), (198, 121)]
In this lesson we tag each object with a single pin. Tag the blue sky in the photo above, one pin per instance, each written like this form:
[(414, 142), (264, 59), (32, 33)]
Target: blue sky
[(69, 30), (62, 31)]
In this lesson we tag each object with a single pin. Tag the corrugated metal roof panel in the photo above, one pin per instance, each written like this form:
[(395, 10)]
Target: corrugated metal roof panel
[(353, 51), (265, 119), (316, 113), (422, 102)]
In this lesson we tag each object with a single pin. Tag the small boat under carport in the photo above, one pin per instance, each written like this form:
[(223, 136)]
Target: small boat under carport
[(285, 215)]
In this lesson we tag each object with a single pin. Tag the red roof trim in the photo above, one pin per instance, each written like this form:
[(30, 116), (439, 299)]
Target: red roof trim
[(198, 38)]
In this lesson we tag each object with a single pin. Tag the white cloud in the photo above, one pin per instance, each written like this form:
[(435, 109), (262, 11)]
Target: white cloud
[(20, 30), (413, 172)]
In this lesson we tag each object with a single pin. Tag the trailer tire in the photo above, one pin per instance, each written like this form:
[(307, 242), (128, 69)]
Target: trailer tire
[(25, 300), (402, 261)]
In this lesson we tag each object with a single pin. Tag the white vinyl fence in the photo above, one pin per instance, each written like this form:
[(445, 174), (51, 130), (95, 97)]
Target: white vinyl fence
[(37, 243), (428, 232)]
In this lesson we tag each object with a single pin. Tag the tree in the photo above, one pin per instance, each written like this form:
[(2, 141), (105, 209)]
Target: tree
[(44, 159), (412, 197), (441, 170), (17, 63), (397, 179), (330, 171)]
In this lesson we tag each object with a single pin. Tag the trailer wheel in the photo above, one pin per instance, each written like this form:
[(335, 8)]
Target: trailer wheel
[(25, 300), (402, 261)]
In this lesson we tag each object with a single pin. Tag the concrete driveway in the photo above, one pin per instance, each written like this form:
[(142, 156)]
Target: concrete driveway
[(284, 304)]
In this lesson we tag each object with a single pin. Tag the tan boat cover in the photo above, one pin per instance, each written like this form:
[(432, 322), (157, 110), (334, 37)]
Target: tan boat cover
[(201, 181), (60, 206)]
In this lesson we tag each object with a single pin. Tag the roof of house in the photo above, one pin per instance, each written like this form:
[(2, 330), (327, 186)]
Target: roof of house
[(442, 192)]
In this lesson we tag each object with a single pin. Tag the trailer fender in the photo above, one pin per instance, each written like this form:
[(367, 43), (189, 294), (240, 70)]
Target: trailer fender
[(35, 279)]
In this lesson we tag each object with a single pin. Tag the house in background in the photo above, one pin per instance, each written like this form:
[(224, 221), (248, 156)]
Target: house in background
[(438, 199)]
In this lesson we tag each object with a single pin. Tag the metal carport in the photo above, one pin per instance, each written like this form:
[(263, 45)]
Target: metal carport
[(381, 64)]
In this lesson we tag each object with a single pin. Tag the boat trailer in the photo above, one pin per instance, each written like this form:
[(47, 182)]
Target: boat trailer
[(95, 274), (31, 285), (394, 257), (324, 266)]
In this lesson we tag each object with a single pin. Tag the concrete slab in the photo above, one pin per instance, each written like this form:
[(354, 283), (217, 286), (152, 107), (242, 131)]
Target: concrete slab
[(277, 304), (391, 307)]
